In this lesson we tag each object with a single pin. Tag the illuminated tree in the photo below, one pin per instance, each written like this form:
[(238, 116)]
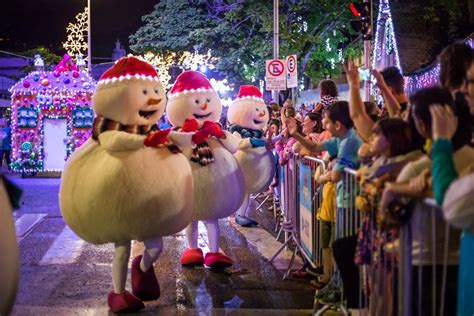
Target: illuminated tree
[(185, 60)]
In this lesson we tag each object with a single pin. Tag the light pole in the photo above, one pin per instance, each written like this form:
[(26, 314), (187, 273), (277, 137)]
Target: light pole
[(275, 93), (89, 57)]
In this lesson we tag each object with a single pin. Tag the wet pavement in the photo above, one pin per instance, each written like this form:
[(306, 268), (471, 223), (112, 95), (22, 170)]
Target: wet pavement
[(62, 275)]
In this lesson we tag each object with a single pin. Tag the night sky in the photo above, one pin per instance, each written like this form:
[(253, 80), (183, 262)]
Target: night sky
[(27, 24)]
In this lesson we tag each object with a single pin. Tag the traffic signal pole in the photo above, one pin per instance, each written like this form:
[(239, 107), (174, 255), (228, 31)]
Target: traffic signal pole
[(364, 26), (367, 50)]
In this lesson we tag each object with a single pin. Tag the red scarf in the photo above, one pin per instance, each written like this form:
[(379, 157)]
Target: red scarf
[(202, 153)]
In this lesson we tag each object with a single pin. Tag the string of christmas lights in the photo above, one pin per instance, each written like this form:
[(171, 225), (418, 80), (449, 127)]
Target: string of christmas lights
[(55, 95), (428, 78)]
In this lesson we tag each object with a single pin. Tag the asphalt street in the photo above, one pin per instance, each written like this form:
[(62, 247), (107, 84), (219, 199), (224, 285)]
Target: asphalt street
[(62, 275)]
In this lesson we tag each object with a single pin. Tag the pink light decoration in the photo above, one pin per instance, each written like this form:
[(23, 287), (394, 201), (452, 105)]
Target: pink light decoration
[(34, 101)]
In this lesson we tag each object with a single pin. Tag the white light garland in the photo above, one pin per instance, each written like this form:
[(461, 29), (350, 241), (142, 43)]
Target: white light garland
[(428, 78), (384, 19)]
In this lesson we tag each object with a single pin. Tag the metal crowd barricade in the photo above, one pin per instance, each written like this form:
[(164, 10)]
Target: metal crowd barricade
[(348, 218), (294, 224), (347, 224), (315, 253), (411, 265), (428, 252), (408, 272)]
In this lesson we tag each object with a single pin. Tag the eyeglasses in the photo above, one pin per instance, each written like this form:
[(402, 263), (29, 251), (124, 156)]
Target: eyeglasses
[(468, 81)]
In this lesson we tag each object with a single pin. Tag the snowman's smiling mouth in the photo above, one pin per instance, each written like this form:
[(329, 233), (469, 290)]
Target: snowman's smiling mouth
[(146, 114), (257, 121), (198, 116)]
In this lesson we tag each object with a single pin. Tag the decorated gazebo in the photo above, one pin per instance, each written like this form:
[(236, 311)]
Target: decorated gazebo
[(51, 115)]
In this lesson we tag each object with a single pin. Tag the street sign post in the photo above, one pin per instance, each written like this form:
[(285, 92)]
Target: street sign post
[(275, 74), (291, 72)]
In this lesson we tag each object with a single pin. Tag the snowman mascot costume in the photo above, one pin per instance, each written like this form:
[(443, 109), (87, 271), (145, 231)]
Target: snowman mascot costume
[(248, 115), (127, 182), (193, 109), (9, 258)]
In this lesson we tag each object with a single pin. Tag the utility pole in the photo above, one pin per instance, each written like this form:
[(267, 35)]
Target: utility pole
[(89, 53), (275, 93)]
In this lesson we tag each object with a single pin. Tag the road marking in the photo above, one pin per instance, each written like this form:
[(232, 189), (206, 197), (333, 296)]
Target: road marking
[(266, 245), (64, 250), (25, 224)]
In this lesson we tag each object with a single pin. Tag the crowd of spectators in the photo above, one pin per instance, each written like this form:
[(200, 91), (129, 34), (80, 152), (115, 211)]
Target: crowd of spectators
[(406, 149)]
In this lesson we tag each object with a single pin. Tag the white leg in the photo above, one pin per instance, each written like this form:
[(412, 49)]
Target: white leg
[(244, 208), (120, 266), (192, 234), (213, 234), (153, 248)]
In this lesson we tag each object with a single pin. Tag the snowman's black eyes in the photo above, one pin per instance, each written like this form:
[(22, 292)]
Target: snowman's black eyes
[(208, 100), (196, 101), (256, 110), (145, 92), (156, 91)]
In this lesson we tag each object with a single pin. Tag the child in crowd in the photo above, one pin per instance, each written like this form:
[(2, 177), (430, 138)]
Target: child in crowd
[(424, 253), (285, 146), (328, 95), (343, 145), (326, 216), (391, 150)]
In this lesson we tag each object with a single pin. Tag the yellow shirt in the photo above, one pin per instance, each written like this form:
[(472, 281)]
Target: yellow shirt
[(327, 211)]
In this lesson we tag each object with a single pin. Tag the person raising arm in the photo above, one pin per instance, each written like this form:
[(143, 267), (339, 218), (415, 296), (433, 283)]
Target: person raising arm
[(362, 122)]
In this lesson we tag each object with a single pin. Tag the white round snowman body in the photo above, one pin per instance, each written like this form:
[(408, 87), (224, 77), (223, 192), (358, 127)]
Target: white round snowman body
[(115, 189), (9, 258), (219, 186), (258, 163)]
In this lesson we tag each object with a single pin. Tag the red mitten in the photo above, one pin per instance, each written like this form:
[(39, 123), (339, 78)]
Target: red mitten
[(214, 129), (157, 138), (190, 125), (200, 136)]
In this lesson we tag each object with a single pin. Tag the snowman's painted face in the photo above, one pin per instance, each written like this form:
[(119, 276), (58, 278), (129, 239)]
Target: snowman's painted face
[(248, 114), (201, 106), (131, 102)]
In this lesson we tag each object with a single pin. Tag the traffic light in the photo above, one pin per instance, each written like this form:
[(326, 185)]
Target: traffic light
[(363, 23)]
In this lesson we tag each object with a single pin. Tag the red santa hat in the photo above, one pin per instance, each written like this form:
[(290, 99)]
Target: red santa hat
[(127, 68), (190, 81), (249, 92)]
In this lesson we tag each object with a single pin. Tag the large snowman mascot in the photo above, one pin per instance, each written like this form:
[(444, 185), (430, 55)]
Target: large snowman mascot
[(127, 182), (9, 258), (193, 109), (248, 115)]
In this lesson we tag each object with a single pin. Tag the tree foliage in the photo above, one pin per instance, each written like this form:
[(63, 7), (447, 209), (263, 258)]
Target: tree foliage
[(49, 58), (240, 34)]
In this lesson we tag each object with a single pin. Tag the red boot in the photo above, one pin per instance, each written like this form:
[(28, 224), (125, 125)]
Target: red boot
[(144, 284), (191, 257), (124, 302), (217, 260)]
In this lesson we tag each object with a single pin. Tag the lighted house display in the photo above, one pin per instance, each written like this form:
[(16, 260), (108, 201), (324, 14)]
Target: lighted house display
[(51, 115)]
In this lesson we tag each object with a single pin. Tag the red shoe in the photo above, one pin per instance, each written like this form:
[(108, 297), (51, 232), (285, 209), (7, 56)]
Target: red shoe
[(191, 257), (124, 302), (144, 284), (217, 260)]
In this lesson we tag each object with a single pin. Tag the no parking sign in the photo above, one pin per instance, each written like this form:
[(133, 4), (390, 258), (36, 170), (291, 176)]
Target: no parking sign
[(275, 74), (291, 72)]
